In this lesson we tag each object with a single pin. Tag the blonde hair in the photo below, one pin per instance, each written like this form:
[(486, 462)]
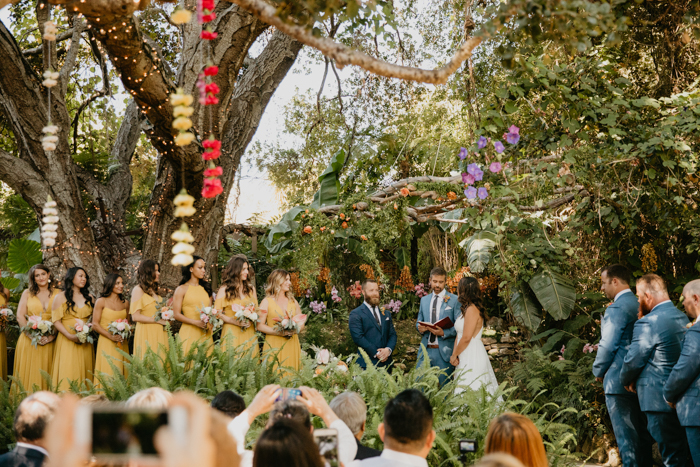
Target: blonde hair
[(94, 399), (498, 459), (151, 398), (274, 284), (516, 435)]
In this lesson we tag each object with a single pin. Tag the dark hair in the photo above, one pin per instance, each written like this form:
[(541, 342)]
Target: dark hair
[(619, 272), (229, 403), (32, 417), (110, 282), (68, 288), (293, 410), (469, 293), (187, 274), (33, 286), (438, 271), (286, 443), (146, 276), (231, 278), (408, 417)]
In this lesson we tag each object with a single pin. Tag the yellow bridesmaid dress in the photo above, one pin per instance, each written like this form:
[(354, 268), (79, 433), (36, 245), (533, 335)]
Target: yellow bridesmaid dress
[(107, 349), (195, 298), (3, 345), (233, 336), (30, 360), (148, 335), (289, 349), (72, 361)]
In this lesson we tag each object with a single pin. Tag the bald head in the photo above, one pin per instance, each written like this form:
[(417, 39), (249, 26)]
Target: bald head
[(33, 416), (691, 298)]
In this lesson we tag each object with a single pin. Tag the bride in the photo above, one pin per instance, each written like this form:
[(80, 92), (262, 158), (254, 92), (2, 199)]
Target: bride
[(472, 365)]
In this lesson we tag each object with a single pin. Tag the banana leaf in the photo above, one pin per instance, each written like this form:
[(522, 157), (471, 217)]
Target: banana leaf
[(525, 310), (478, 249), (555, 293)]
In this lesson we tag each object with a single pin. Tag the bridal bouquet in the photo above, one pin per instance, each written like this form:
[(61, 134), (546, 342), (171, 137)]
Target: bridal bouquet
[(37, 328), (289, 323), (7, 316), (246, 313), (164, 311), (210, 316), (83, 331), (120, 327)]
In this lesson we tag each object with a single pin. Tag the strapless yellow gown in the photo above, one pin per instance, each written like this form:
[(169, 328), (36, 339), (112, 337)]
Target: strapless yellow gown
[(3, 345), (107, 349), (289, 349), (233, 336), (30, 361), (195, 298), (148, 335), (72, 361)]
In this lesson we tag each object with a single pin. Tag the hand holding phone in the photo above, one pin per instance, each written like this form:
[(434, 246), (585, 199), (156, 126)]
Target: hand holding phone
[(288, 393), (327, 442)]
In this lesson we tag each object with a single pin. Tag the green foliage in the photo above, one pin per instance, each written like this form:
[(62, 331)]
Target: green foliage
[(555, 293), (22, 255), (478, 248)]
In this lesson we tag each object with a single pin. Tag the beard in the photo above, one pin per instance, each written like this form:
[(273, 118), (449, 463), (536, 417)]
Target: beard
[(644, 309), (374, 301)]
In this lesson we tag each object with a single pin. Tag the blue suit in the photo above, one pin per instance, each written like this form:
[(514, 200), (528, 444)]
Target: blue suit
[(628, 420), (656, 347), (440, 357), (368, 335), (683, 388)]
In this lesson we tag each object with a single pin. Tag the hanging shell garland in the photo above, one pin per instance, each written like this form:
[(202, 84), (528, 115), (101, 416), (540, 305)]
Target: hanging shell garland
[(182, 110), (184, 204), (183, 249), (49, 140), (50, 223), (50, 31)]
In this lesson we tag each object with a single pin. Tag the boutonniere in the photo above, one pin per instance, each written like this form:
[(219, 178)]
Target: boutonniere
[(691, 324), (382, 309)]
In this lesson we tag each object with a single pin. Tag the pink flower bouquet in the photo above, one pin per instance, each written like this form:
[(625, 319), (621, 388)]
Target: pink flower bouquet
[(83, 331), (247, 313), (37, 328), (289, 323), (120, 327), (211, 316), (7, 316), (163, 311)]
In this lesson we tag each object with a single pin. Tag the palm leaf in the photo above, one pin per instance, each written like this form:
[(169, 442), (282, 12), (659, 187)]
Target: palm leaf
[(22, 254), (525, 310), (478, 248), (555, 293)]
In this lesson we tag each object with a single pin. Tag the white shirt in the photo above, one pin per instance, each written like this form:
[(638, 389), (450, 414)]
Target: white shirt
[(375, 312), (621, 293), (33, 446), (239, 426), (665, 301), (440, 299), (393, 459)]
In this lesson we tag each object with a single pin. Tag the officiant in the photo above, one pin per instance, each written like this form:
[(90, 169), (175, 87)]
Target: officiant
[(438, 341)]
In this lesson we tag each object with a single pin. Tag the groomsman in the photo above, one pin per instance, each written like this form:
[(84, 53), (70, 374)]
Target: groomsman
[(372, 328), (656, 346), (628, 421), (434, 307), (682, 389)]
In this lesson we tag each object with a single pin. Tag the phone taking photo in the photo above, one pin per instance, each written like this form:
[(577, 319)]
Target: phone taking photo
[(287, 394), (327, 442), (118, 434)]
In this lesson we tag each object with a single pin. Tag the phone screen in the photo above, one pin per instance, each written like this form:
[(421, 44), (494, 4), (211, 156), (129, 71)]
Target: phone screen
[(328, 447), (126, 433), (288, 393)]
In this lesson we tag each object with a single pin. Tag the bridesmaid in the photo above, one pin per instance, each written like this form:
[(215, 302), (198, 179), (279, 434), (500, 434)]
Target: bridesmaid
[(72, 361), (193, 294), (30, 361), (238, 289), (4, 300), (149, 333), (278, 298), (110, 307)]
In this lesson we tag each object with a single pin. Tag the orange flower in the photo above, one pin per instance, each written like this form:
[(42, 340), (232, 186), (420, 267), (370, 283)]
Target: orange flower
[(354, 206), (319, 370), (341, 215), (451, 195), (307, 211), (322, 229), (396, 206), (344, 225), (404, 192), (307, 229), (363, 237)]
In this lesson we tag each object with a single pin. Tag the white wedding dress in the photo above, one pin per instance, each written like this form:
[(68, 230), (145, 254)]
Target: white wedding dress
[(474, 369)]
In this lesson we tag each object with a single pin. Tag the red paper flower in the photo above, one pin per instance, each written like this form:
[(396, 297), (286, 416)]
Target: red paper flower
[(208, 18), (207, 4), (211, 70), (212, 88), (212, 188), (211, 100), (215, 172), (307, 229), (213, 154), (208, 35), (211, 144)]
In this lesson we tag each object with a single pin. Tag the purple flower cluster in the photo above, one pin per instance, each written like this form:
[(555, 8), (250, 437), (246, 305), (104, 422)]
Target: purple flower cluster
[(394, 306), (318, 307), (420, 290), (334, 295)]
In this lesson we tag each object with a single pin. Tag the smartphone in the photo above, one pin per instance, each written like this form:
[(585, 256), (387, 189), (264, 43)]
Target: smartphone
[(117, 434), (327, 442), (288, 393)]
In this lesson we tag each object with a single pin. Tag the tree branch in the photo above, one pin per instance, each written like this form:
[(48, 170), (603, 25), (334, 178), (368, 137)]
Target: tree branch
[(69, 63), (67, 34)]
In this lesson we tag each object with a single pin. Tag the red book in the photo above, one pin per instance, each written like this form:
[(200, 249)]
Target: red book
[(444, 323)]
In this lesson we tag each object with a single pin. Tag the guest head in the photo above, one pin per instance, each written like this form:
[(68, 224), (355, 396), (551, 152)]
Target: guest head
[(114, 284), (498, 459), (94, 399), (614, 279), (651, 290), (286, 443), (438, 277), (691, 298), (370, 289), (39, 276), (228, 403), (279, 281), (516, 435), (408, 424), (291, 410), (469, 293), (197, 269), (151, 398), (351, 409), (33, 415), (76, 279), (148, 276), (238, 275)]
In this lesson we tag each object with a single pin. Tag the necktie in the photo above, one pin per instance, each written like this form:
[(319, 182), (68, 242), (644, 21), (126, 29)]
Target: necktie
[(433, 319), (376, 316)]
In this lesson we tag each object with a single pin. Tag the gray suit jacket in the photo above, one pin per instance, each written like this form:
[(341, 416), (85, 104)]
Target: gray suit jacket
[(450, 308), (683, 385)]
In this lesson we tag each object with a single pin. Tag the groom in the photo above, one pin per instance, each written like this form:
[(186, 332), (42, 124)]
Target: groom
[(372, 328), (439, 343)]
